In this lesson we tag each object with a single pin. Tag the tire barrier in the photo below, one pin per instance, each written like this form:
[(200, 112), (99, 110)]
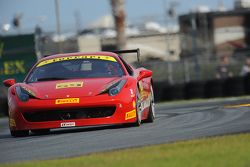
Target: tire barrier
[(214, 88), (194, 90), (159, 90), (247, 84), (174, 92), (3, 107), (234, 87)]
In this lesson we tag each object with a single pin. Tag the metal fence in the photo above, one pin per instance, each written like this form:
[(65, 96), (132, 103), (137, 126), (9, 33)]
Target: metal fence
[(191, 69)]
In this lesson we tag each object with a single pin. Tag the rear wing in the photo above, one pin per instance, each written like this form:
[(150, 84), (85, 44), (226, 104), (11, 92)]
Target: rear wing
[(137, 51)]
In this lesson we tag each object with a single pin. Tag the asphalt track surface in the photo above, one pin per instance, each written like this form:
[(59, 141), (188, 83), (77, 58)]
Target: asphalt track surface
[(174, 122)]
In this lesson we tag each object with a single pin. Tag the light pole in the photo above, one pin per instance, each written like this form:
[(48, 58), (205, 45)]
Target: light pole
[(119, 15), (170, 15), (58, 25)]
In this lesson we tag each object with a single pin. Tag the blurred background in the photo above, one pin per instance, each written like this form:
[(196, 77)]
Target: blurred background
[(196, 48)]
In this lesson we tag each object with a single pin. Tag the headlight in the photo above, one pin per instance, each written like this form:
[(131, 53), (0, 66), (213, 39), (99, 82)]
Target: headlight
[(114, 88), (24, 94)]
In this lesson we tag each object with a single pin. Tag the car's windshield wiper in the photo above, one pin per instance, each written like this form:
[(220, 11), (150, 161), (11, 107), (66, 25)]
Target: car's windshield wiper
[(51, 79)]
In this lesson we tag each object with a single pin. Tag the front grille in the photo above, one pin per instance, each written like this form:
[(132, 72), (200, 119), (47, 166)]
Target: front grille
[(80, 113)]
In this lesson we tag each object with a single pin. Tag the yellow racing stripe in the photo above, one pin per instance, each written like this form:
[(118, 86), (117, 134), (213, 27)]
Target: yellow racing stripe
[(237, 106)]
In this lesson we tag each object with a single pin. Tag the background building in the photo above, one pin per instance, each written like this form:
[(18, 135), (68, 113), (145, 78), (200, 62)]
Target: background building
[(216, 33)]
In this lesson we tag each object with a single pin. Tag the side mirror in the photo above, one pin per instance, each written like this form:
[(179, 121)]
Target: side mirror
[(144, 74), (9, 82)]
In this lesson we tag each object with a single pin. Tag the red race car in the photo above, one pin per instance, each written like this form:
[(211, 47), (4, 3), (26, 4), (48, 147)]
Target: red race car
[(80, 89)]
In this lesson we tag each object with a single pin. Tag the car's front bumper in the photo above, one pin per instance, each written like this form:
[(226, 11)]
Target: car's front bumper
[(124, 112)]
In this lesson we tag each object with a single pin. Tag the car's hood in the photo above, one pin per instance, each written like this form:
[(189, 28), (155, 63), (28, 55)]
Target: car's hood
[(69, 88)]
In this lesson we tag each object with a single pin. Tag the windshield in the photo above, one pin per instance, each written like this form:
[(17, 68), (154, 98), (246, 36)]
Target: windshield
[(81, 67)]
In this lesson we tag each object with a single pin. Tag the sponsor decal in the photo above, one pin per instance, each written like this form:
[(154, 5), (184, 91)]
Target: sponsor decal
[(68, 124), (144, 95), (132, 93), (97, 57), (143, 92), (140, 86), (12, 122), (130, 114), (14, 67), (69, 85), (133, 104), (67, 101), (145, 103)]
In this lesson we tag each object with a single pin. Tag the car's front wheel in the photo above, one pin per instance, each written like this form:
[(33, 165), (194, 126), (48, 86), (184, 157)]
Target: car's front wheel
[(151, 114), (138, 109)]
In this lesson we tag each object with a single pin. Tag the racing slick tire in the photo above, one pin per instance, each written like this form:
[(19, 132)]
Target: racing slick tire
[(19, 133), (138, 109), (151, 114)]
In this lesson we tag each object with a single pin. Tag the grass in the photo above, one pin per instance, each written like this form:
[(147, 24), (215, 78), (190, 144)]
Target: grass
[(225, 151)]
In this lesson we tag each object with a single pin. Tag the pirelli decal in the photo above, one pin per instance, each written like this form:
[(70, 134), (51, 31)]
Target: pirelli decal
[(97, 57), (69, 85), (130, 114), (67, 101)]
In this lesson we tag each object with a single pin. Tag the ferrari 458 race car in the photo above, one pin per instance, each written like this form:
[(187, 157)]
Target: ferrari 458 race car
[(80, 89)]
